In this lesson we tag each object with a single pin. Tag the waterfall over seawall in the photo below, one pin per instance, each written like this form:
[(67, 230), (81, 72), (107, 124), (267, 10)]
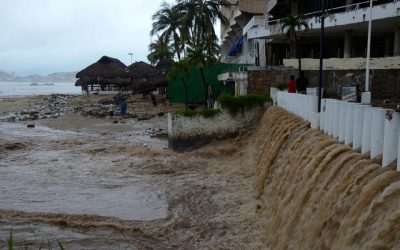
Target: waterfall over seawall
[(319, 194)]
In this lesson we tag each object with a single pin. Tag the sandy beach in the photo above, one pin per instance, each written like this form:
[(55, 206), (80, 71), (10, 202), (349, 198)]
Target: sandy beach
[(112, 183)]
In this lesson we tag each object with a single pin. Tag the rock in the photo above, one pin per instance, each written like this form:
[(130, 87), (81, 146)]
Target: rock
[(145, 116)]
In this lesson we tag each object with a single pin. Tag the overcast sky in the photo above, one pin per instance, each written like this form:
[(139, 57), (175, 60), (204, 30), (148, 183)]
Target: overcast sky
[(45, 36)]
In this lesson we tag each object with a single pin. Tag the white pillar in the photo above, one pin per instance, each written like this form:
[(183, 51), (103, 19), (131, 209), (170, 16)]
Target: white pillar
[(358, 125), (342, 121), (377, 131), (330, 117), (366, 134), (315, 120), (348, 140), (336, 110), (327, 118), (391, 137), (278, 99), (322, 115), (313, 108)]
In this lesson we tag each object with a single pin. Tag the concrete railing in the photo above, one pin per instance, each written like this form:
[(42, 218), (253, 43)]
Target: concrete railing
[(369, 129)]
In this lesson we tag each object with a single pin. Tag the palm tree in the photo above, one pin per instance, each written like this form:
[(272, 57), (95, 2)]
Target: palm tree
[(292, 24), (200, 17), (159, 50), (180, 69), (168, 20), (190, 26), (195, 56)]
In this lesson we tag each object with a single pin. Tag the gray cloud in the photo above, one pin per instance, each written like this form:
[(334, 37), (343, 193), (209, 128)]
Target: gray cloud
[(44, 36)]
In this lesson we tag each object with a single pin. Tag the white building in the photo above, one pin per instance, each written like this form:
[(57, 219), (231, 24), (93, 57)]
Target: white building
[(255, 36)]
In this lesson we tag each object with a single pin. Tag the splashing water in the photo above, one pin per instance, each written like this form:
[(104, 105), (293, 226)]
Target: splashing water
[(310, 191), (319, 194)]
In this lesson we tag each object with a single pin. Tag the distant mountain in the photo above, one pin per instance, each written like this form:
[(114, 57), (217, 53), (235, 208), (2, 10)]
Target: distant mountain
[(51, 78), (4, 76)]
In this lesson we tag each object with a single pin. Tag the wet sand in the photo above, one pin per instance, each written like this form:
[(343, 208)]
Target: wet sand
[(94, 184)]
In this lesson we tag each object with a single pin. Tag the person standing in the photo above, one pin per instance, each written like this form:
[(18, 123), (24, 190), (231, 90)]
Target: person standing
[(122, 107), (302, 83), (291, 85)]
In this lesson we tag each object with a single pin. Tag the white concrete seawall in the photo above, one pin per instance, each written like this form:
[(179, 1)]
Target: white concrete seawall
[(369, 129), (188, 132)]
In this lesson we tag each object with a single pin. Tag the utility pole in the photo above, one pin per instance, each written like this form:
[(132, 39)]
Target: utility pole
[(321, 53), (366, 96)]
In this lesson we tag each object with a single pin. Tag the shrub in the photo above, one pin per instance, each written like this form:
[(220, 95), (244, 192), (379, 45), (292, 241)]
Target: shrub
[(242, 103), (280, 85)]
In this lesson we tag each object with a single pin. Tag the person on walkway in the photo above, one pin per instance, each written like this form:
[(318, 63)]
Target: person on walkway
[(302, 83), (291, 85)]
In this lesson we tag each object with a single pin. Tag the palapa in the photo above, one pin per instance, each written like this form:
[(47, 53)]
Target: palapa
[(139, 77), (118, 81), (105, 68), (145, 77)]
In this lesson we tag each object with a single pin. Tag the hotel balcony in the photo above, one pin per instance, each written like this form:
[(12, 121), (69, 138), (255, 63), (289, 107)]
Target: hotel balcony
[(385, 17)]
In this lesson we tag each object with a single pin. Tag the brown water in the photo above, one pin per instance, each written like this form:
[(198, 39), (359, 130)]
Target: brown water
[(114, 186), (281, 186), (318, 194), (78, 178)]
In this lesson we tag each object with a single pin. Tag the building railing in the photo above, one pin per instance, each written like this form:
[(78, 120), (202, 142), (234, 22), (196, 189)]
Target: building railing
[(365, 128), (333, 10)]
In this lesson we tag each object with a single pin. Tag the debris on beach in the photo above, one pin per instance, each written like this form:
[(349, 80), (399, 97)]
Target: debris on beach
[(54, 106)]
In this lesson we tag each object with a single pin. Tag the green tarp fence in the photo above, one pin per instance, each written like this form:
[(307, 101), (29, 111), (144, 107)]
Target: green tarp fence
[(176, 90)]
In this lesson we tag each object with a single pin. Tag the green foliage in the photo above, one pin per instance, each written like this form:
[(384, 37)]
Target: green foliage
[(242, 103), (159, 50), (60, 245), (10, 242), (179, 69), (190, 24), (206, 113), (168, 20), (280, 85), (293, 23)]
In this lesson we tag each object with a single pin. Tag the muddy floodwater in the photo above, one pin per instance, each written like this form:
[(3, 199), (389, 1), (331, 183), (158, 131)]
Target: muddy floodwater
[(59, 172), (100, 184), (107, 185)]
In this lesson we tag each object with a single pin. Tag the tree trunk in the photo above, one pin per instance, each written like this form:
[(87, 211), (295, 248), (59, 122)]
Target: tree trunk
[(298, 51), (205, 87), (186, 92), (293, 44), (178, 53)]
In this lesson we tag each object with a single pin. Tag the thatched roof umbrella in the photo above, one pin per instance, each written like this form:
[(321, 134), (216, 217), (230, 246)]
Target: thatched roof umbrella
[(139, 70), (90, 80), (145, 77), (118, 81), (106, 68)]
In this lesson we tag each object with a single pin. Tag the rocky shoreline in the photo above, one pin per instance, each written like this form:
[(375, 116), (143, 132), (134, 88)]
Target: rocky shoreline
[(53, 106), (58, 105)]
